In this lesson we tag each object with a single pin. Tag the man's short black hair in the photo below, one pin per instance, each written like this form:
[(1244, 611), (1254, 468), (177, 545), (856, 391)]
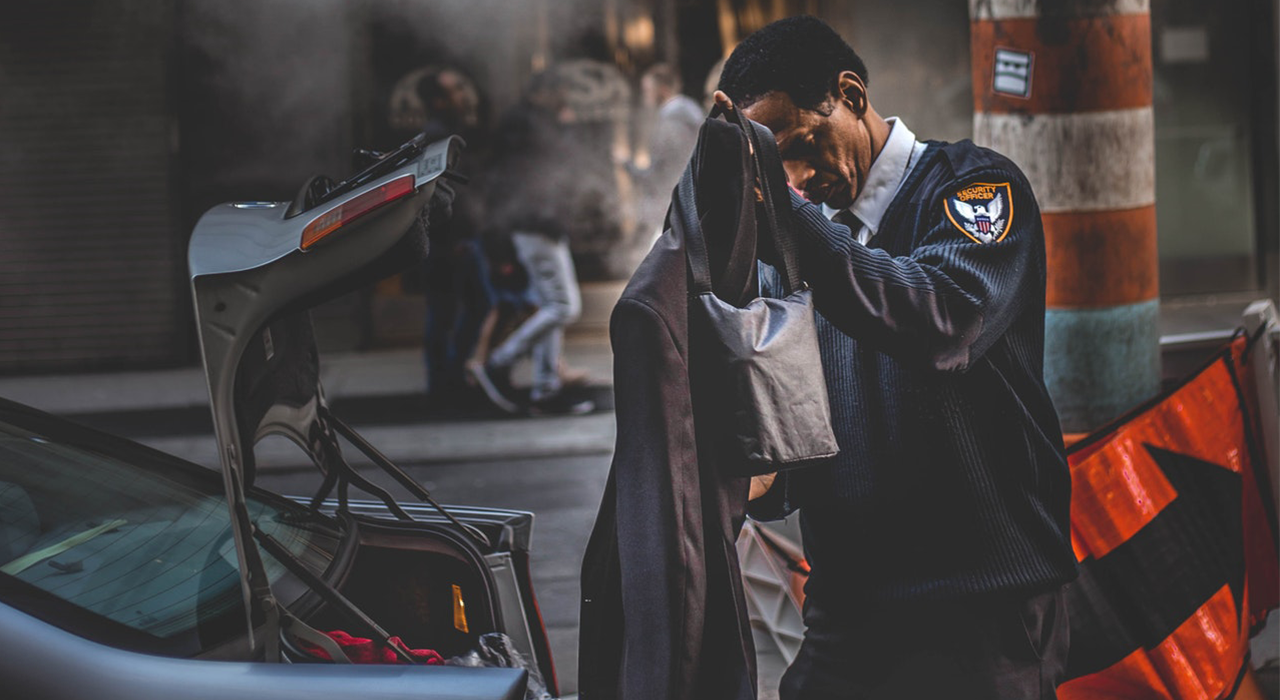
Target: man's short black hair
[(800, 56)]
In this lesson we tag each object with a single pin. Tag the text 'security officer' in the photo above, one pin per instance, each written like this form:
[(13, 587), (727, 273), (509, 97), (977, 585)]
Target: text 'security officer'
[(938, 538)]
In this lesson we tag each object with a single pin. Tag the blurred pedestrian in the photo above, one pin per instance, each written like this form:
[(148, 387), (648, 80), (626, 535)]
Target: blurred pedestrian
[(456, 280), (672, 134), (524, 198)]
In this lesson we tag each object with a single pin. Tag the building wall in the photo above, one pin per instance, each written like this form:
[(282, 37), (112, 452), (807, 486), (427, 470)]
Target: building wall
[(917, 58), (90, 267), (123, 120), (1205, 79)]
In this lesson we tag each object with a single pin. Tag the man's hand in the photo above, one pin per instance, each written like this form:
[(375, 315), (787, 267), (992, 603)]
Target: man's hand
[(441, 203), (433, 218), (722, 100), (760, 485)]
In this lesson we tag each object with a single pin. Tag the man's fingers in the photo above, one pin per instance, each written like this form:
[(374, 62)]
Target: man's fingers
[(760, 485), (722, 100)]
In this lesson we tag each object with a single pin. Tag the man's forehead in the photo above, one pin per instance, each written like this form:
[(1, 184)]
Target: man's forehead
[(777, 111)]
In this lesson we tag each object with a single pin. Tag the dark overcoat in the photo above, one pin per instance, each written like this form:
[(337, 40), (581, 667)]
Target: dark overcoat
[(663, 612)]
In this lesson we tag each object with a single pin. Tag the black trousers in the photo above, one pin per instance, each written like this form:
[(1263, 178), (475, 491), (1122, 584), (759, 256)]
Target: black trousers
[(989, 649)]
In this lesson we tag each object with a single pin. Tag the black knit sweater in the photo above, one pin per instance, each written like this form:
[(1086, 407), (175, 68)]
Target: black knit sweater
[(951, 479)]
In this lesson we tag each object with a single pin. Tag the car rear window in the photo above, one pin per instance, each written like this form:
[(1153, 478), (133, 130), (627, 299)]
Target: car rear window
[(145, 547)]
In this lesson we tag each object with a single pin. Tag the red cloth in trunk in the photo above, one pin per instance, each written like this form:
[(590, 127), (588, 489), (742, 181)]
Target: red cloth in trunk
[(367, 651)]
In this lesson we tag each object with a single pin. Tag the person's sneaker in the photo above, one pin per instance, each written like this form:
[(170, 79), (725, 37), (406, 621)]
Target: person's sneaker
[(562, 404), (494, 383)]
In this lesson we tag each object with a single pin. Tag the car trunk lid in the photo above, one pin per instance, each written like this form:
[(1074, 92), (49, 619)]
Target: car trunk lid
[(255, 270)]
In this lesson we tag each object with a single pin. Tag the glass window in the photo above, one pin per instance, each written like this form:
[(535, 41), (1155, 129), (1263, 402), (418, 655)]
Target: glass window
[(148, 548), (1203, 85)]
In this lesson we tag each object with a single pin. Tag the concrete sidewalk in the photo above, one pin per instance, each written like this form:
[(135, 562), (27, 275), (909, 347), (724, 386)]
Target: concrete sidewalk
[(365, 375), (173, 396), (373, 373)]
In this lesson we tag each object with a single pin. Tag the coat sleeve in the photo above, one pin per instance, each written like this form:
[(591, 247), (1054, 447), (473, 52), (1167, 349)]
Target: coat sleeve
[(659, 512), (945, 303)]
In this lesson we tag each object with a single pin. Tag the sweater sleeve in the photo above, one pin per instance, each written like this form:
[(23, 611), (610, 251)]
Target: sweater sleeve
[(966, 278)]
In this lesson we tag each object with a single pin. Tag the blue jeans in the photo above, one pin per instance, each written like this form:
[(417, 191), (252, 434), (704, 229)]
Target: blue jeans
[(554, 284)]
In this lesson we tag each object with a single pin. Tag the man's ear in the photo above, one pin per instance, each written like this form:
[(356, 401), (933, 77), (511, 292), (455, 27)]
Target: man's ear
[(851, 89)]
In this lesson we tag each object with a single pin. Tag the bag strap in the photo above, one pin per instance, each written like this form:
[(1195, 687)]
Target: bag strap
[(777, 199), (767, 164), (695, 245), (684, 217)]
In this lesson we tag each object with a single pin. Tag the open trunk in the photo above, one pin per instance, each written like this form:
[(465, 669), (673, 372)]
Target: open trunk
[(437, 577)]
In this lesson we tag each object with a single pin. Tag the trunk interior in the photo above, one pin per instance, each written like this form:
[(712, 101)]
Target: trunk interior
[(431, 591)]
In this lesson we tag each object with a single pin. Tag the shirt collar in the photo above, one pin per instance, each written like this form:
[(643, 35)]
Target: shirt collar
[(885, 176)]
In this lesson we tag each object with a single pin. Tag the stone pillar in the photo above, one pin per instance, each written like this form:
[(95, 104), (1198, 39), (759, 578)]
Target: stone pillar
[(1063, 87)]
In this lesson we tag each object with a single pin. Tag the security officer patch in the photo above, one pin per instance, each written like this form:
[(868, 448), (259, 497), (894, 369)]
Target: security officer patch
[(982, 211)]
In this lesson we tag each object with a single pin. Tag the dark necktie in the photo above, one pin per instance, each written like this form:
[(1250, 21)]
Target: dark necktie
[(848, 218)]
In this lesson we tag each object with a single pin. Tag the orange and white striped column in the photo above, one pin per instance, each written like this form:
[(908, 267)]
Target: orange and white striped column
[(1063, 88)]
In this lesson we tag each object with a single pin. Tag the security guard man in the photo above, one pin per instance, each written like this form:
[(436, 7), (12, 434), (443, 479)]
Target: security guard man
[(938, 537)]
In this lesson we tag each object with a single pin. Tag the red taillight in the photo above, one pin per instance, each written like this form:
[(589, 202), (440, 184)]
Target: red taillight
[(347, 212)]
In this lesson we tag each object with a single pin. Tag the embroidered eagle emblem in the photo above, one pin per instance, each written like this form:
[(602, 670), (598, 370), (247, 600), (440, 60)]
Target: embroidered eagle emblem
[(983, 211)]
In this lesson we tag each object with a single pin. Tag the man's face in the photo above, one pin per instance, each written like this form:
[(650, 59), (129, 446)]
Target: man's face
[(458, 99), (826, 156)]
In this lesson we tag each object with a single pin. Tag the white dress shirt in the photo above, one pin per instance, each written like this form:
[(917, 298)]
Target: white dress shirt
[(889, 170)]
